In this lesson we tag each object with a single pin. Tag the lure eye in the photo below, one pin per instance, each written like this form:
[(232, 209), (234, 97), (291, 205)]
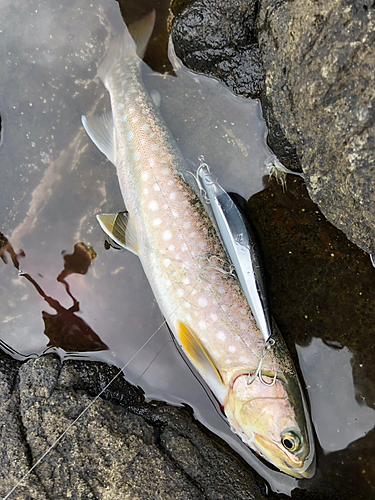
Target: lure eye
[(291, 441)]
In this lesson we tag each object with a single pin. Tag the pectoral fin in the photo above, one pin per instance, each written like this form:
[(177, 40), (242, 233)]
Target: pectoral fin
[(202, 360), (121, 229), (102, 133)]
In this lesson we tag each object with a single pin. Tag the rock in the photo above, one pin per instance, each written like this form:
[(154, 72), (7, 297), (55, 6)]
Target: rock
[(120, 448), (321, 287), (319, 60), (218, 39), (318, 95)]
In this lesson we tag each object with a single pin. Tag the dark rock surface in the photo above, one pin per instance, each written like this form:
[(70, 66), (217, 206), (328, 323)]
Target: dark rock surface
[(321, 286), (218, 39), (319, 59), (120, 448), (318, 96)]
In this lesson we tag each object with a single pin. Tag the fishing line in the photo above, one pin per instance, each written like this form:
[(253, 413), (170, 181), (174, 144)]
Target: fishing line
[(85, 410)]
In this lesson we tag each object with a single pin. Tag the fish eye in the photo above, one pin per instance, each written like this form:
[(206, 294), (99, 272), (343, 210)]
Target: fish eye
[(291, 441)]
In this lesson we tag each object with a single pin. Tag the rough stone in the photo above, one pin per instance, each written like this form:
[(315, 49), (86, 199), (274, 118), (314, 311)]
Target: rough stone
[(129, 450), (218, 39), (321, 286), (319, 59)]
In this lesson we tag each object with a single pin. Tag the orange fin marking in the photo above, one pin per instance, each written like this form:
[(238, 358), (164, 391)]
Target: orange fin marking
[(196, 351)]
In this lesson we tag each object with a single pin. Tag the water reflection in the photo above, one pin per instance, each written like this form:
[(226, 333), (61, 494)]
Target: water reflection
[(339, 419), (54, 181), (64, 329)]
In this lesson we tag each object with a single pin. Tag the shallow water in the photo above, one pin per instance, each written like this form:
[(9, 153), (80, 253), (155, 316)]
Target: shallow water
[(54, 181)]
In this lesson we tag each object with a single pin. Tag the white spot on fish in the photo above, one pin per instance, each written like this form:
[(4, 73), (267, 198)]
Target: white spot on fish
[(187, 225), (202, 301), (221, 336), (180, 292), (213, 316), (156, 222), (145, 191), (243, 325), (231, 348), (171, 248), (243, 359), (173, 195), (186, 281), (202, 325), (137, 155), (121, 105), (145, 127), (151, 162), (154, 147), (143, 142), (145, 176), (165, 171), (156, 187), (188, 305), (216, 354), (124, 81), (131, 110), (184, 247), (192, 235), (174, 213), (204, 340), (124, 118), (167, 235), (166, 262), (130, 135), (153, 205), (170, 183), (134, 120), (121, 94), (152, 136)]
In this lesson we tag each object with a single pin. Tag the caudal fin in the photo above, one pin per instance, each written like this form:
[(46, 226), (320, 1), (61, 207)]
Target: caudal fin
[(133, 42)]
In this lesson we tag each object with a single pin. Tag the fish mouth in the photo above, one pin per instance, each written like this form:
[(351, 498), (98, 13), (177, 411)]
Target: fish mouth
[(287, 463)]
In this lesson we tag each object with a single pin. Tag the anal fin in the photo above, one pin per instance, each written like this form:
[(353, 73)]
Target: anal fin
[(121, 229), (101, 131)]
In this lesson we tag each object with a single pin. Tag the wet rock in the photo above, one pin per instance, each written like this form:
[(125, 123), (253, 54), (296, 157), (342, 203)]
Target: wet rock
[(319, 59), (218, 39), (321, 286), (120, 448)]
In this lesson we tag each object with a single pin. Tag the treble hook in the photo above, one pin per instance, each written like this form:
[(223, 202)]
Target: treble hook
[(258, 371), (230, 272), (202, 166)]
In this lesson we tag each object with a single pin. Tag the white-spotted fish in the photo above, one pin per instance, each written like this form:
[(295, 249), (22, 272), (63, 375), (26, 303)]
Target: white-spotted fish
[(167, 226)]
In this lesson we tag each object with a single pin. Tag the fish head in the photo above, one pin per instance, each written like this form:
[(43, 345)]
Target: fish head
[(273, 421)]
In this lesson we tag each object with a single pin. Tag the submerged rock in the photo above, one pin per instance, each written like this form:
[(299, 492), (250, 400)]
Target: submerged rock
[(120, 448)]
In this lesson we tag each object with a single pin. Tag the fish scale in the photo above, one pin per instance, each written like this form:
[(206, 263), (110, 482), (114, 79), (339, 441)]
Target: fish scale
[(171, 221), (188, 269)]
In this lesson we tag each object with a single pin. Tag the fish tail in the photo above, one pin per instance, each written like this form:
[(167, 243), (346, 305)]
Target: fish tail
[(131, 44)]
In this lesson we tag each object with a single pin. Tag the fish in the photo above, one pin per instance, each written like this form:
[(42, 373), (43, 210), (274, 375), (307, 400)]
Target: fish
[(182, 253), (240, 246)]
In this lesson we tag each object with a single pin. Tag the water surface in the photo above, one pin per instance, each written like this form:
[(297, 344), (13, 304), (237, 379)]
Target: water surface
[(54, 181)]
